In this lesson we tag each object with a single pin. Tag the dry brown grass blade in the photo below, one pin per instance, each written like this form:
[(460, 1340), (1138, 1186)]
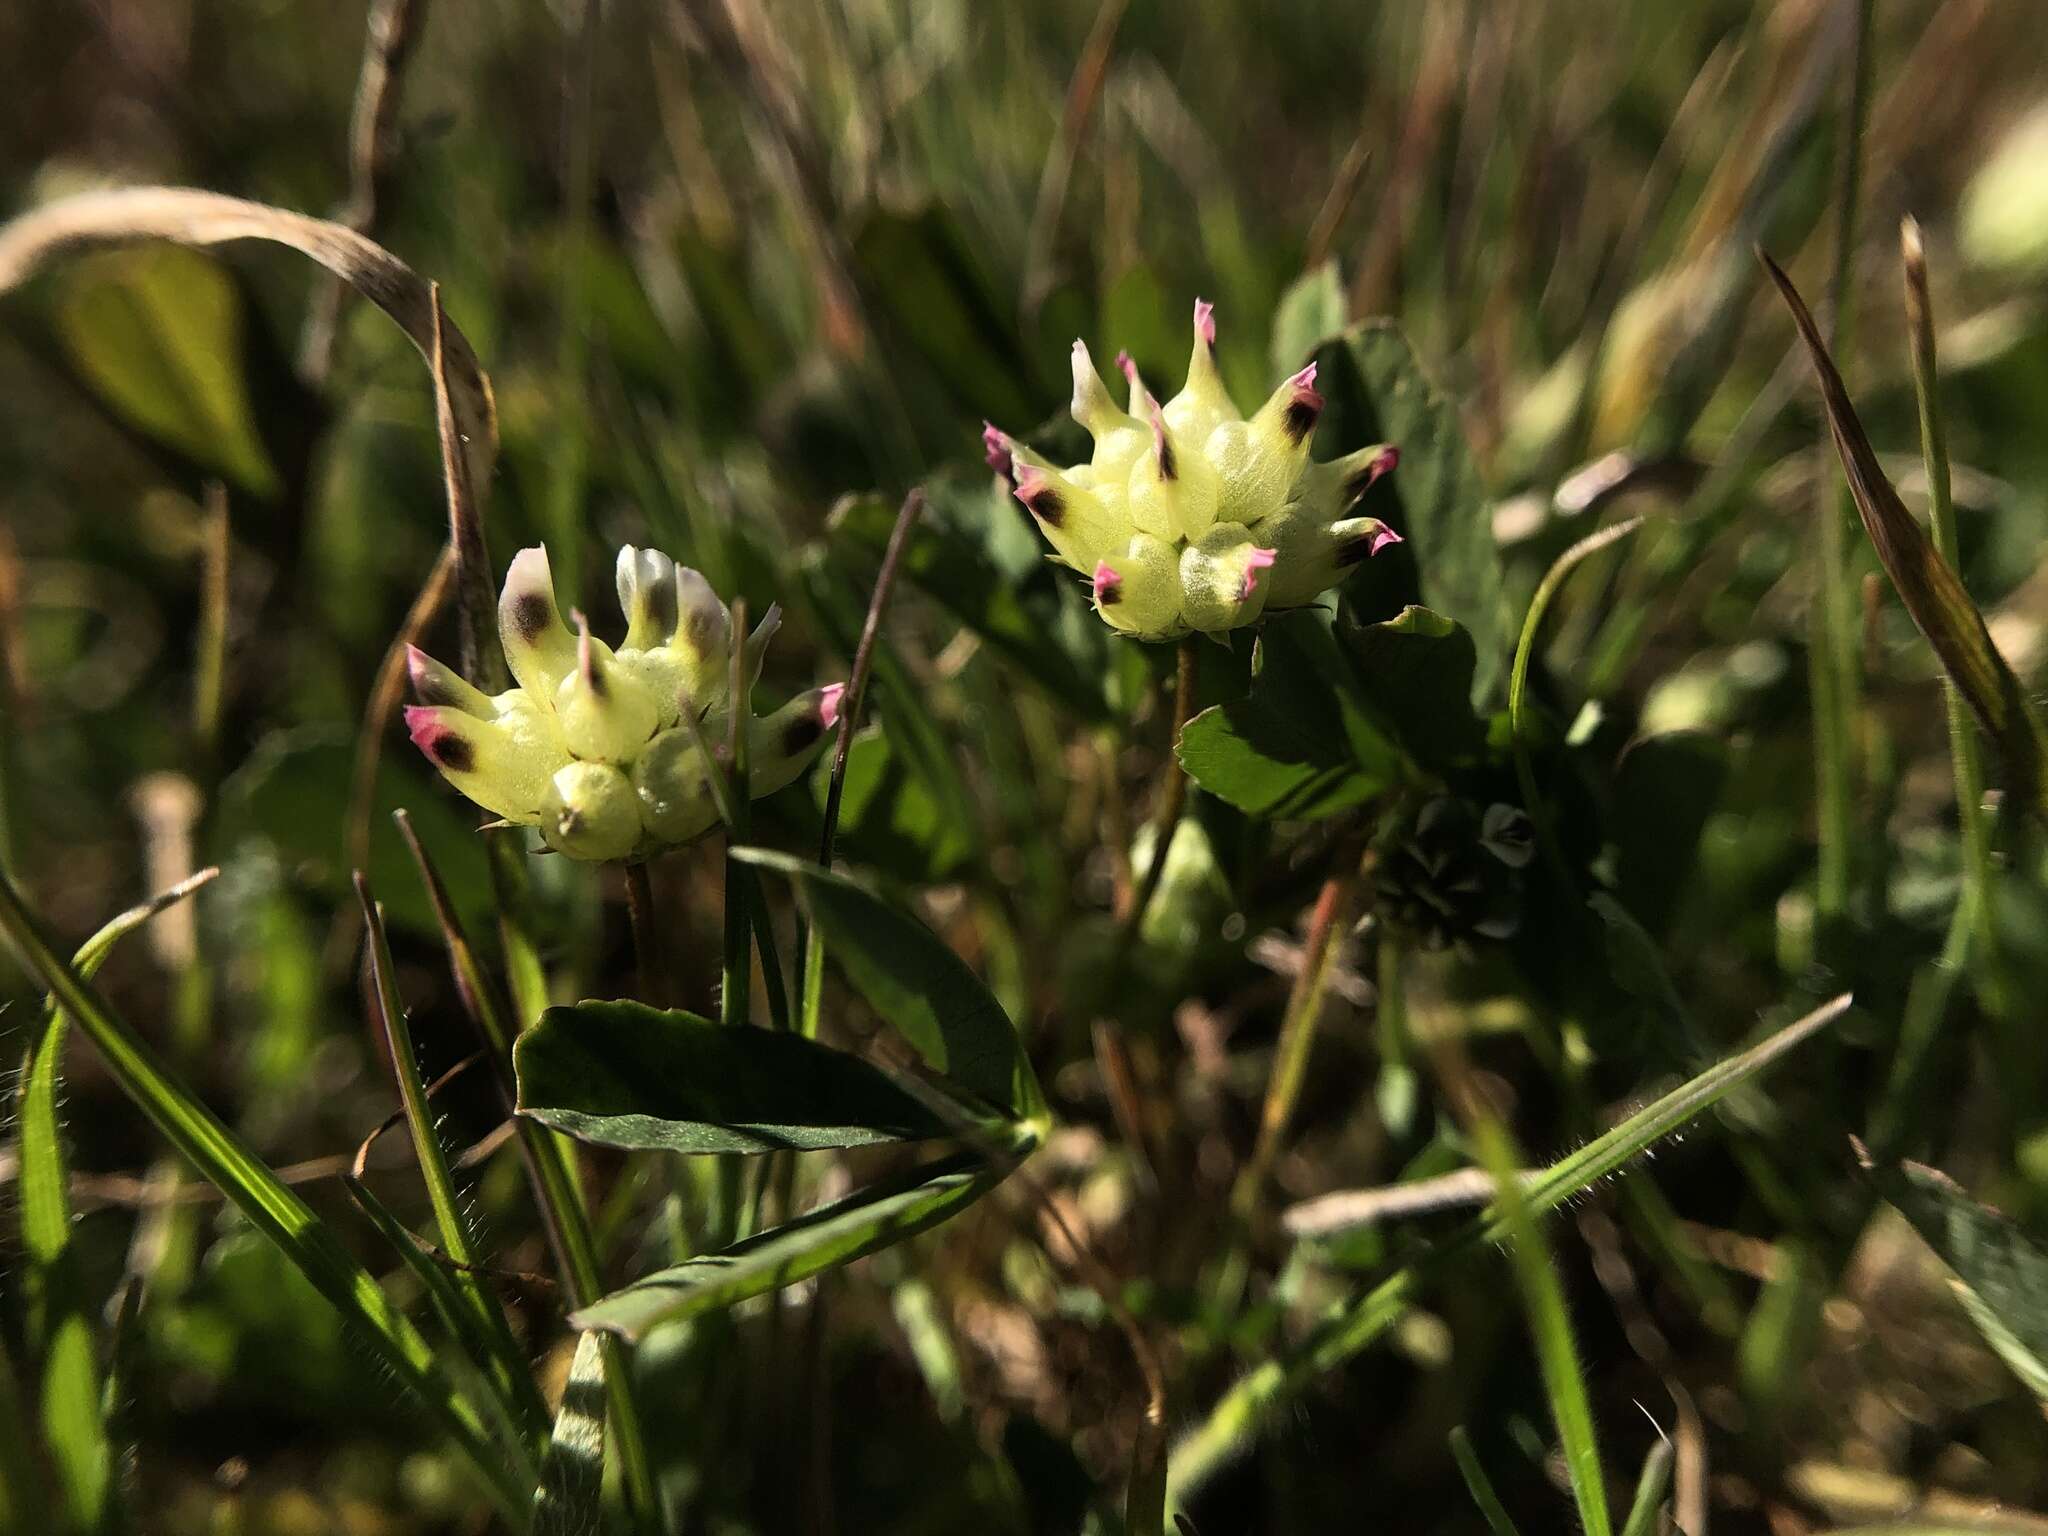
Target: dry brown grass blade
[(202, 220), (1932, 592)]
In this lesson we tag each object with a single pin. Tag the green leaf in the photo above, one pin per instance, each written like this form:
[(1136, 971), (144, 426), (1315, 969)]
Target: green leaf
[(1929, 587), (569, 1501), (975, 554), (2002, 1273), (272, 1207), (1351, 1326), (1311, 310), (917, 985), (623, 1074), (158, 331), (865, 1222), (1376, 391), (1337, 715)]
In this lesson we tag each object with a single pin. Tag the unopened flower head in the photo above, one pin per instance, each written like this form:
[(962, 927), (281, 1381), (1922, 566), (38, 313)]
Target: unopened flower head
[(1191, 516), (594, 746)]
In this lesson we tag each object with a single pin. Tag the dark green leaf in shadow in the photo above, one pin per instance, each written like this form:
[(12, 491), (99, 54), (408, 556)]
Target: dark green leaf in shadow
[(1377, 392), (2002, 1273), (623, 1074), (1336, 715), (917, 985), (864, 1222)]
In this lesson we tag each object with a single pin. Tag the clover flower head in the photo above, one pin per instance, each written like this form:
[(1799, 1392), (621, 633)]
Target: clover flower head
[(1191, 516), (594, 745)]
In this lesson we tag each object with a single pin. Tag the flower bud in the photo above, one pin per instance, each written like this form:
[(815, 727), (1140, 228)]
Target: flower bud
[(590, 812)]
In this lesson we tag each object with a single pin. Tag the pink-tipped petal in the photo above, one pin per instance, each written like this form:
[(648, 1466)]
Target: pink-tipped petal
[(829, 699), (995, 446), (1255, 562), (421, 725), (1205, 321), (1107, 584), (1383, 538), (1304, 406), (1129, 367), (419, 666), (1162, 445)]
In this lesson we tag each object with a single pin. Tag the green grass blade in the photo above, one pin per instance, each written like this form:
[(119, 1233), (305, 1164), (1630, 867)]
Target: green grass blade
[(1933, 594), (459, 1316), (501, 1362), (1497, 1518), (865, 1222), (1550, 1325), (271, 1207), (60, 1326), (1352, 1326), (1651, 1486), (569, 1499)]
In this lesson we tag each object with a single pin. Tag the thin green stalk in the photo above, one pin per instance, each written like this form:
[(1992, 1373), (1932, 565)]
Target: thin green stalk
[(736, 980), (271, 1206), (1651, 1487), (1550, 1324), (505, 1368), (1336, 907), (1498, 1520), (1518, 681), (1173, 798), (553, 1160), (1941, 512), (1831, 650)]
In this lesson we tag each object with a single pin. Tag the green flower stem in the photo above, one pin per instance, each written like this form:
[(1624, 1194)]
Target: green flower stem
[(646, 950), (1962, 731), (550, 1156), (270, 1205), (1831, 651), (1173, 796)]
